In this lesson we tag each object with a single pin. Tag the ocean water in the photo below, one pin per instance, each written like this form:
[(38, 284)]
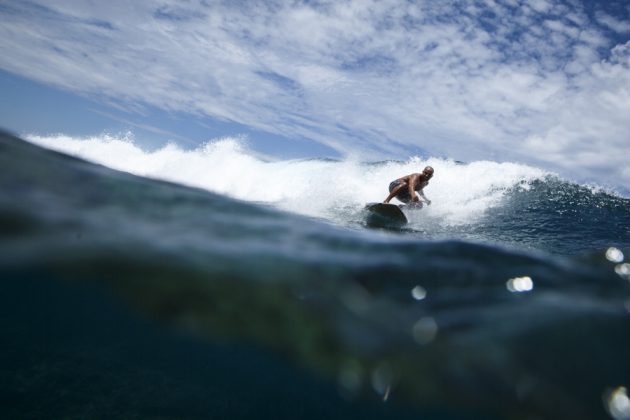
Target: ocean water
[(213, 283)]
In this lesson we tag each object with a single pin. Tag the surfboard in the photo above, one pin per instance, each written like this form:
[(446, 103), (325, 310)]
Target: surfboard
[(381, 214)]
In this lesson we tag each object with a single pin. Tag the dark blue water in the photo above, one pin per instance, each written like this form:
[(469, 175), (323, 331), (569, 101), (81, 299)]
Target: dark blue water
[(552, 216), (125, 297)]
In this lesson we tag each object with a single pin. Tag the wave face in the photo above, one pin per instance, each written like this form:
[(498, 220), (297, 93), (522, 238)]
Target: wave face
[(498, 203), (507, 298)]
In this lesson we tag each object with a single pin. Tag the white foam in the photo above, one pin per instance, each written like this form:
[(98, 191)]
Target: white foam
[(334, 190)]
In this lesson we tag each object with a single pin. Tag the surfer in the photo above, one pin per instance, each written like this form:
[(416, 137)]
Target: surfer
[(409, 188)]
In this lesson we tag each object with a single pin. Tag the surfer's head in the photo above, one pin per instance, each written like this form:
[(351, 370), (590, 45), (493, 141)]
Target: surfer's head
[(428, 171)]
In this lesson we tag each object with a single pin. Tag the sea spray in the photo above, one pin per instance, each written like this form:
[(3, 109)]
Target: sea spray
[(332, 190)]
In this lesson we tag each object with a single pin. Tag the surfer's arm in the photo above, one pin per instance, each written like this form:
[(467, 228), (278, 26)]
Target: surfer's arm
[(395, 191), (413, 182), (424, 197), (418, 183)]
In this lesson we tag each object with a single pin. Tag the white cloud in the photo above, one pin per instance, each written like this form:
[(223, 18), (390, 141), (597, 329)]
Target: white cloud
[(538, 82), (613, 23), (540, 6)]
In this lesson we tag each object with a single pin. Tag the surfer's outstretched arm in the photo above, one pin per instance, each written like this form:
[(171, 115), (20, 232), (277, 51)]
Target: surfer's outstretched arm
[(424, 197)]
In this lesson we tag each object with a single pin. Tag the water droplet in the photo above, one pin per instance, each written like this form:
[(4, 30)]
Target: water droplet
[(350, 379), (614, 255), (357, 300), (424, 331), (520, 284), (618, 403), (623, 270), (382, 379), (419, 293)]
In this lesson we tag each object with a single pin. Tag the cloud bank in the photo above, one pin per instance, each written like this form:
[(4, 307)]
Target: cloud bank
[(542, 82)]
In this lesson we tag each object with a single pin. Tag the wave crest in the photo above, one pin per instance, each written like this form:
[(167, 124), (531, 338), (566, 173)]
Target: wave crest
[(316, 187)]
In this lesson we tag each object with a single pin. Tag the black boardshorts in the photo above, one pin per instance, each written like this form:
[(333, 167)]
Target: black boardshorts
[(403, 194)]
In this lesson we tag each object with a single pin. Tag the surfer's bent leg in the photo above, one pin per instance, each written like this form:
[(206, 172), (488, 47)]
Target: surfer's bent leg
[(403, 194)]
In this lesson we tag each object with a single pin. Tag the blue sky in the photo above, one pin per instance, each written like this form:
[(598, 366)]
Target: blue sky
[(30, 107), (541, 82)]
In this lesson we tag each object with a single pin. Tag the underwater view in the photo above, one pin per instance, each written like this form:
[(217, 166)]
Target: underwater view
[(213, 283)]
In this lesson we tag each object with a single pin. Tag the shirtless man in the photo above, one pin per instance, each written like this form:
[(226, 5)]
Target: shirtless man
[(405, 188)]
